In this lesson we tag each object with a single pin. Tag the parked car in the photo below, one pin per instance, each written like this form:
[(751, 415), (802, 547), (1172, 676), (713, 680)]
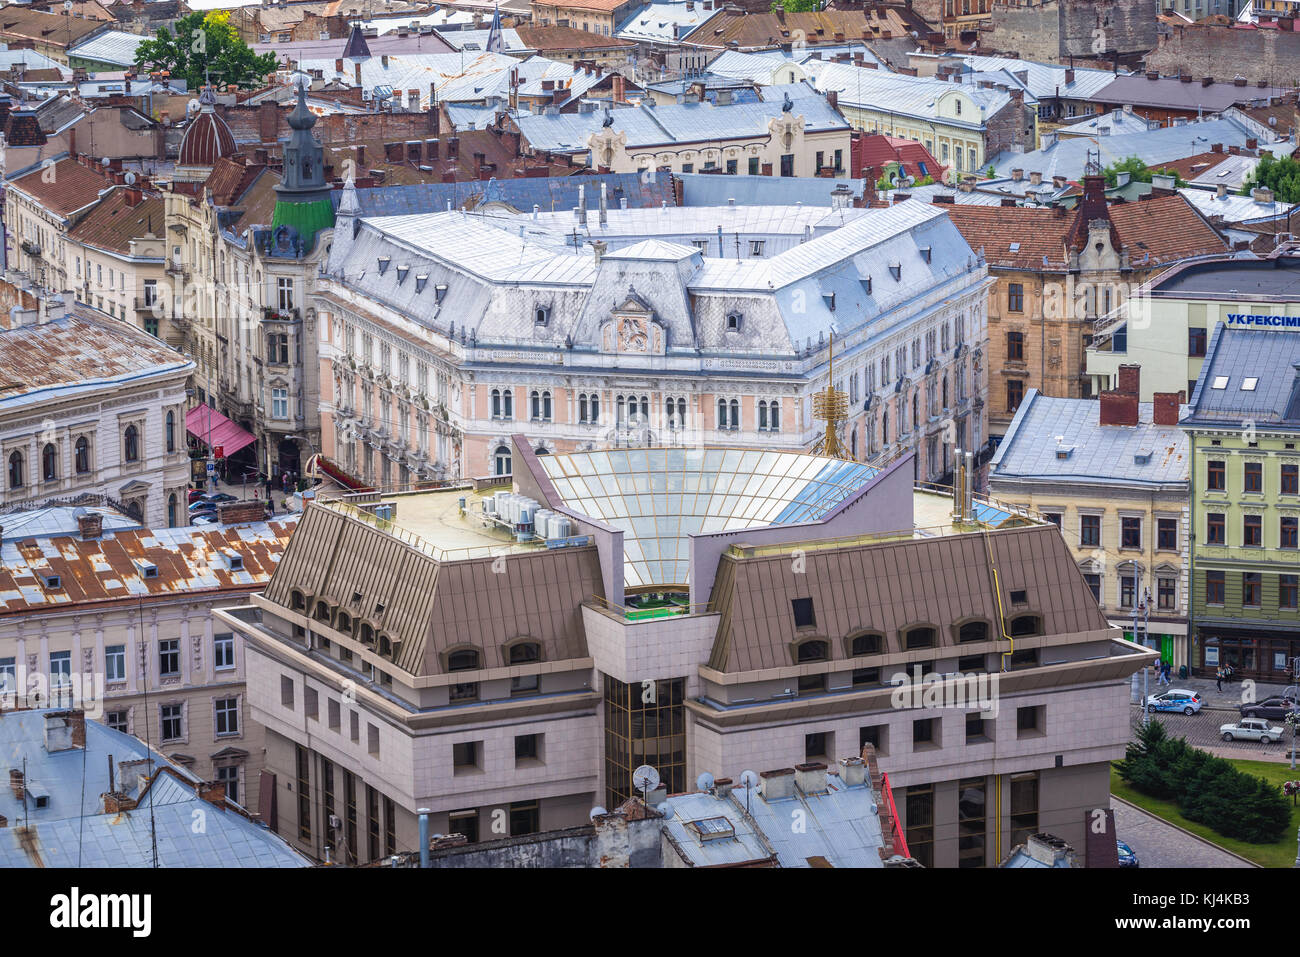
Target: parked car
[(194, 495), (1175, 699), (1275, 707), (218, 497), (1126, 856), (206, 519), (1251, 729)]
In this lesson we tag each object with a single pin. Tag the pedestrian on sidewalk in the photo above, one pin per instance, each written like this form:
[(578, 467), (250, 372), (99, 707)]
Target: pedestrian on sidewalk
[(1218, 678)]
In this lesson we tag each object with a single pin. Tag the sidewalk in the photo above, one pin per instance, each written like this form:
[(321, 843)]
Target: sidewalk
[(1229, 699)]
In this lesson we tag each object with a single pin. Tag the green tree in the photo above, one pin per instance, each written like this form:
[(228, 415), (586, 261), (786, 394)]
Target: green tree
[(205, 46), (796, 6), (1281, 175), (1138, 172)]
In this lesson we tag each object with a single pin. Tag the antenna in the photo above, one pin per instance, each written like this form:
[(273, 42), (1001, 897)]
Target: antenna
[(748, 781)]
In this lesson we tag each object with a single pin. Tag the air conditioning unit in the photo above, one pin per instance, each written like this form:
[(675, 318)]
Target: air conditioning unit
[(335, 823)]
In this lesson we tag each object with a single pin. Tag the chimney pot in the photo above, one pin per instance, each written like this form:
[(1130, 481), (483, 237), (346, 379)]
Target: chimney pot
[(776, 785), (1164, 409)]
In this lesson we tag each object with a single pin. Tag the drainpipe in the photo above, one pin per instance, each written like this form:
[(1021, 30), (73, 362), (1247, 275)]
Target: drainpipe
[(424, 836)]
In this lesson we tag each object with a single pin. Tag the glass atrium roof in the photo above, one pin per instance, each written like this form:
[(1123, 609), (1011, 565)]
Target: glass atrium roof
[(658, 497)]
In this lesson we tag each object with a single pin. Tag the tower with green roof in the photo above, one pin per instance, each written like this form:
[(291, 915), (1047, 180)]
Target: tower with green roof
[(303, 197)]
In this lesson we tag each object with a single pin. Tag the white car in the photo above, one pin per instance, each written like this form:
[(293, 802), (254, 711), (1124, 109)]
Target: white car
[(1175, 699), (1251, 729)]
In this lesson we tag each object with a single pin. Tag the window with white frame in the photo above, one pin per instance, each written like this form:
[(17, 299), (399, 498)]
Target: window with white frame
[(229, 776), (61, 678), (115, 663), (171, 721), (169, 657), (284, 293), (223, 651), (227, 716), (279, 403)]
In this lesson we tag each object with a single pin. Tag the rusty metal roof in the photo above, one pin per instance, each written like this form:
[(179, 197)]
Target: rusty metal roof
[(140, 563)]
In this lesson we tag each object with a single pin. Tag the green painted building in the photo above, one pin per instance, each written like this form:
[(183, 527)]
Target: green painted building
[(1244, 431)]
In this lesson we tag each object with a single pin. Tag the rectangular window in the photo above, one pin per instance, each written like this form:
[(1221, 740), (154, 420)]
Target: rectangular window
[(1167, 534), (335, 718), (1216, 476), (1291, 479), (1214, 589), (925, 733), (279, 403), (971, 825), (372, 739), (229, 776), (528, 747), (1090, 530), (1251, 589), (116, 720), (976, 732), (1015, 346), (1030, 721), (804, 617), (1287, 591), (1252, 531), (303, 768), (919, 802), (284, 292), (169, 657), (1166, 593), (1015, 297), (1195, 343), (115, 663), (876, 735), (816, 746), (223, 651), (1130, 533), (1254, 477), (286, 691), (525, 818), (227, 715), (1024, 808), (1287, 533), (350, 814), (1215, 528), (1015, 394), (171, 719), (1094, 585)]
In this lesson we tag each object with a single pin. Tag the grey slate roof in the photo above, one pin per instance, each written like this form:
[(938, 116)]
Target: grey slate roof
[(63, 838), (1101, 454), (678, 123), (706, 189), (1171, 93), (1271, 357)]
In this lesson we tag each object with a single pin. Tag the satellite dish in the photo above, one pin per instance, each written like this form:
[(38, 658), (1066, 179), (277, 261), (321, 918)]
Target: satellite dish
[(704, 782), (130, 179), (666, 810), (596, 812), (645, 778), (748, 780), (105, 162), (909, 180)]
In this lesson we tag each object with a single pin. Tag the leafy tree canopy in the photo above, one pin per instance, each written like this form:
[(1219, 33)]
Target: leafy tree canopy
[(1282, 176), (205, 46), (796, 6), (1138, 172)]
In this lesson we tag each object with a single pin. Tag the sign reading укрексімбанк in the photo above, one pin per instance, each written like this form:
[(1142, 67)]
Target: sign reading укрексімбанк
[(1263, 320)]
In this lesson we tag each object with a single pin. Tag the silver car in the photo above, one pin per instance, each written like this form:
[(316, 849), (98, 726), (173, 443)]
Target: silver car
[(1251, 729)]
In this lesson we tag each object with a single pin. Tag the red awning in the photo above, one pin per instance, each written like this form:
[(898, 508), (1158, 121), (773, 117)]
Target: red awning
[(213, 429)]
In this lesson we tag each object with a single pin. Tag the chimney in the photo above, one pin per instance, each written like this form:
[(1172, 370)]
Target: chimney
[(810, 778), (17, 783), (604, 216), (214, 792), (1069, 77), (1130, 378), (722, 788), (90, 525), (852, 772), (233, 513), (1118, 408), (1221, 190), (65, 730), (1017, 175), (357, 74), (776, 785), (1164, 410), (1207, 81), (1035, 177), (453, 147), (130, 774), (1049, 850), (599, 248)]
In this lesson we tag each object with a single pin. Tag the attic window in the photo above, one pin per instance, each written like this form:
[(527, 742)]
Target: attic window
[(866, 285), (1248, 384), (1019, 597), (383, 264), (52, 581), (439, 291), (420, 282), (712, 828), (830, 301), (542, 315), (734, 319), (1141, 456), (236, 562), (1220, 382), (1014, 247), (927, 252), (896, 270), (401, 273), (147, 569), (1064, 451)]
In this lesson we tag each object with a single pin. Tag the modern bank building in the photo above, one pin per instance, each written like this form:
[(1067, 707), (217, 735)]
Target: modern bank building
[(505, 656)]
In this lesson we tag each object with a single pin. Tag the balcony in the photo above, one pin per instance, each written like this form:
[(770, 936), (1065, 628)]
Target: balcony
[(280, 315), (31, 248)]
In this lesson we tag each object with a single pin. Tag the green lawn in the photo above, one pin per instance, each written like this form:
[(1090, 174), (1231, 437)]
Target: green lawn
[(1281, 854)]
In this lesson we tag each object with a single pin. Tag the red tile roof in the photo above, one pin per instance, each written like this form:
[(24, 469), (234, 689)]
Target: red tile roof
[(876, 151), (544, 39), (115, 222), (1167, 227), (1035, 232), (63, 188)]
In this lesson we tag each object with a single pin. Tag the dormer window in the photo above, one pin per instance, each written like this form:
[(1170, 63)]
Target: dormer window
[(52, 581), (421, 282), (439, 292), (866, 285), (734, 319), (896, 270), (401, 273), (383, 264), (542, 316), (927, 253), (829, 299)]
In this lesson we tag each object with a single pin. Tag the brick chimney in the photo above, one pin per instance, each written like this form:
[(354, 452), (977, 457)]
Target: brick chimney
[(1130, 378), (1164, 409), (231, 513), (90, 525), (214, 792), (65, 730), (1118, 408)]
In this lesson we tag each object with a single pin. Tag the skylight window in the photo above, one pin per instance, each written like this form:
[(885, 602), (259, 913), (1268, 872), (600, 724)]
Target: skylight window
[(1248, 384), (1015, 247), (1220, 382)]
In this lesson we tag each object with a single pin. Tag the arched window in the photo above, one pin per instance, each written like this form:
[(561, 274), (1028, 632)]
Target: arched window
[(171, 510), (595, 407), (367, 635), (582, 408), (918, 638), (171, 431), (535, 405), (945, 392), (546, 406), (297, 600), (132, 444), (868, 644), (385, 646), (774, 415), (496, 403), (735, 414), (344, 623), (812, 651), (322, 611), (525, 652), (762, 416), (49, 462), (16, 470), (973, 631), (1023, 625), (501, 458), (82, 455), (463, 660), (722, 413)]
